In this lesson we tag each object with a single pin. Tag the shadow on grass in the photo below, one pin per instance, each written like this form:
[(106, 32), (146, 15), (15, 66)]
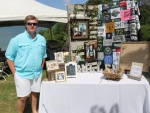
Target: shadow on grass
[(28, 105)]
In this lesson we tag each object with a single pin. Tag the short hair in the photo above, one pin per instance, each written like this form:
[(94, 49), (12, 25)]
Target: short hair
[(30, 17)]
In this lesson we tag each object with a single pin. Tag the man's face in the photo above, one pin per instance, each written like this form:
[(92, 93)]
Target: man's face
[(31, 26)]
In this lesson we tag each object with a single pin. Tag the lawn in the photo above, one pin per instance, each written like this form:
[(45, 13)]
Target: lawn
[(8, 95)]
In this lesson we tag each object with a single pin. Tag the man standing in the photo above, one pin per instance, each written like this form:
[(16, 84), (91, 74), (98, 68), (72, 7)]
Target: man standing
[(26, 55)]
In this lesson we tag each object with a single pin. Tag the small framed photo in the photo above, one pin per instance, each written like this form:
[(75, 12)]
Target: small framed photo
[(52, 65), (80, 31), (59, 57), (60, 76), (71, 69), (51, 74), (136, 71), (90, 51)]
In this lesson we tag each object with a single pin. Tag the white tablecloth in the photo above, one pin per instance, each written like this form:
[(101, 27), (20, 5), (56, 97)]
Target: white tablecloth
[(89, 94)]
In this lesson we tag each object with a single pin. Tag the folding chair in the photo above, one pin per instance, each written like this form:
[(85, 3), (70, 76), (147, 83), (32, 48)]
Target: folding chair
[(2, 67)]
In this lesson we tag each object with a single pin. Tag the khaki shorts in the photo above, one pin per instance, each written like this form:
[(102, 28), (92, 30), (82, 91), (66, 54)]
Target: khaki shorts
[(24, 86)]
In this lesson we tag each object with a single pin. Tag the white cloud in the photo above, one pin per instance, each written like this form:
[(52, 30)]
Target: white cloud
[(66, 0)]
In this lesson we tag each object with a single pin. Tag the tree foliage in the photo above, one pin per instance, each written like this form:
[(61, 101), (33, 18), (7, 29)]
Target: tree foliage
[(145, 14), (46, 34), (145, 30), (59, 34)]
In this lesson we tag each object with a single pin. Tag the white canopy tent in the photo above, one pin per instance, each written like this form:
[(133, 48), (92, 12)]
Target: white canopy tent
[(13, 13)]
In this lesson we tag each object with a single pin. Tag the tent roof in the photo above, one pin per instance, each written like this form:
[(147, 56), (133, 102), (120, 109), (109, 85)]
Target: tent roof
[(13, 12)]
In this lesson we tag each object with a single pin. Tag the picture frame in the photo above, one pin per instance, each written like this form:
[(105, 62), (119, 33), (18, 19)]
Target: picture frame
[(136, 71), (80, 30), (52, 65), (59, 56), (90, 51), (51, 74), (71, 69), (60, 76)]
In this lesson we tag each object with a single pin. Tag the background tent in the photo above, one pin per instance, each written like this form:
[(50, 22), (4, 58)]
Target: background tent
[(13, 13)]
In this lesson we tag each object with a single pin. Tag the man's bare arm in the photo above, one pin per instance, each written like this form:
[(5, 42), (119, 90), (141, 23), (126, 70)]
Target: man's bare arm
[(11, 66)]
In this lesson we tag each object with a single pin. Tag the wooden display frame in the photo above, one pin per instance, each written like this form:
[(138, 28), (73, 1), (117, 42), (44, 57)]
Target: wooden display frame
[(134, 52)]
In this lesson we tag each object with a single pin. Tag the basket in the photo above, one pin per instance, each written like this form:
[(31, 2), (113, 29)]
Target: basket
[(110, 75)]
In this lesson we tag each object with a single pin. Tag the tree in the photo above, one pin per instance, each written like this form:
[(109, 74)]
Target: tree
[(60, 33), (145, 14), (145, 30), (46, 34)]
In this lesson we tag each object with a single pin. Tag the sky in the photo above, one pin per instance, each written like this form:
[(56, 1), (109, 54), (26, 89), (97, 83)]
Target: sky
[(6, 33)]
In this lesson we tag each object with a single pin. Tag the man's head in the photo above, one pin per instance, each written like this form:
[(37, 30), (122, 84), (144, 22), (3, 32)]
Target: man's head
[(31, 23)]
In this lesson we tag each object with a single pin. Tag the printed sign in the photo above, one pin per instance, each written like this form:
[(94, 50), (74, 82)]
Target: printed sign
[(115, 5), (130, 4), (107, 42), (107, 50), (108, 59), (134, 38), (110, 27), (119, 24), (100, 55), (106, 6), (133, 29), (106, 17), (108, 35), (116, 45), (115, 13), (133, 11), (118, 38), (99, 15), (101, 31), (99, 23), (100, 7), (99, 46), (119, 31), (125, 14)]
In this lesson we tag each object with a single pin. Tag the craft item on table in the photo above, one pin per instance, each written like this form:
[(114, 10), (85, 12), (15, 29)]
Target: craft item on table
[(78, 69), (90, 68), (111, 74), (83, 68), (86, 68)]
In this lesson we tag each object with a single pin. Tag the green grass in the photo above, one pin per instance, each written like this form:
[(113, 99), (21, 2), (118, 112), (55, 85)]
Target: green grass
[(8, 95)]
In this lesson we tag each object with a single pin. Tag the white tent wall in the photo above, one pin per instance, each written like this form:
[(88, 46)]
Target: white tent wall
[(13, 12)]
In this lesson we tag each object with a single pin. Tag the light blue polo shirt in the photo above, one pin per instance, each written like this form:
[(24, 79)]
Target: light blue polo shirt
[(27, 54)]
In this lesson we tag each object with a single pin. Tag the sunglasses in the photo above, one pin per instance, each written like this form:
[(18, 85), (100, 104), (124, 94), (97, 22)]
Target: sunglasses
[(34, 24)]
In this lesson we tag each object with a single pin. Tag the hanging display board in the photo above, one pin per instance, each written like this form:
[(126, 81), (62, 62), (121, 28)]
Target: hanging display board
[(134, 52)]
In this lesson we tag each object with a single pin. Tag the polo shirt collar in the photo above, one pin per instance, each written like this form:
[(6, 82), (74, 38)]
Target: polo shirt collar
[(30, 36)]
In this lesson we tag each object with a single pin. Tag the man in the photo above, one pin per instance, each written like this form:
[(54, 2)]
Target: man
[(26, 55)]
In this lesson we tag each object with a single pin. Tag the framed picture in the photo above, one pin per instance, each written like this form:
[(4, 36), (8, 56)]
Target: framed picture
[(80, 31), (136, 71), (51, 74), (59, 57), (90, 51), (71, 69), (52, 65), (60, 76)]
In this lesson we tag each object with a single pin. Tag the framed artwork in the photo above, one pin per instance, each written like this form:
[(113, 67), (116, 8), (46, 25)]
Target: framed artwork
[(71, 69), (52, 65), (60, 76), (51, 74), (136, 71), (59, 57), (80, 31), (90, 50)]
